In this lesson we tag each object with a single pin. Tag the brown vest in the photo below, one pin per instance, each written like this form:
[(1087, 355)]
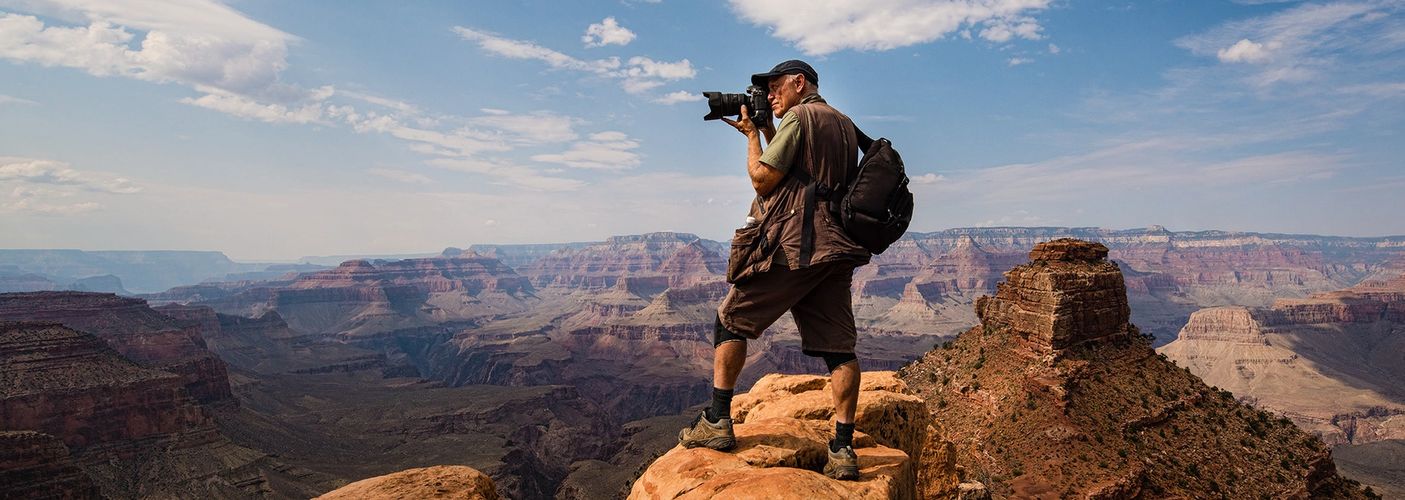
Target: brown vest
[(828, 153)]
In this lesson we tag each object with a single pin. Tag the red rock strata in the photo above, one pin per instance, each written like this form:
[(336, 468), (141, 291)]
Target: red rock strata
[(69, 384), (135, 330), (1069, 294), (36, 465), (683, 258)]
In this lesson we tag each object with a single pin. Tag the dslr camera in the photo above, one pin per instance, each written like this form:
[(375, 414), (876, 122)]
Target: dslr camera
[(759, 108)]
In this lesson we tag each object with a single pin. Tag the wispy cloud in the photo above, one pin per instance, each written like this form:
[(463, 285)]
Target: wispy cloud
[(636, 75), (604, 151), (889, 24), (39, 171), (48, 187), (678, 97), (1167, 163), (5, 99)]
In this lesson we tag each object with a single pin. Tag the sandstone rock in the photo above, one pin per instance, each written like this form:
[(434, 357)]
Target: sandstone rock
[(1068, 249), (442, 481), (783, 426), (1227, 323), (774, 459), (1067, 296)]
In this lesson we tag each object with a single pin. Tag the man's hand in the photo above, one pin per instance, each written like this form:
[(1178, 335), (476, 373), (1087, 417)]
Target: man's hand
[(747, 128)]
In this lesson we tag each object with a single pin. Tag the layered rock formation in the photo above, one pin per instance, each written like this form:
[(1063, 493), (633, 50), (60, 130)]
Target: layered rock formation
[(783, 426), (1329, 362), (37, 465), (135, 431), (1052, 397), (684, 258), (361, 298), (134, 330), (1068, 295), (443, 481)]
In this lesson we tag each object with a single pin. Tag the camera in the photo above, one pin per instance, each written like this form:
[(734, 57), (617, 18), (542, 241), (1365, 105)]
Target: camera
[(720, 105)]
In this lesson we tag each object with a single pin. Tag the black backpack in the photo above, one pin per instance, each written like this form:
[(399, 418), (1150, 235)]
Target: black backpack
[(874, 206), (877, 208)]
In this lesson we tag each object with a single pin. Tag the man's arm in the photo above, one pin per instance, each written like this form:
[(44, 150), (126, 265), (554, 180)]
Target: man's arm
[(764, 178)]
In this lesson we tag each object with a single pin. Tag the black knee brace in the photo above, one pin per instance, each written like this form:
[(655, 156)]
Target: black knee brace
[(721, 335), (833, 359)]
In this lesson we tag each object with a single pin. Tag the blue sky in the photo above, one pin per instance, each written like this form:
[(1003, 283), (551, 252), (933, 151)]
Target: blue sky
[(272, 130)]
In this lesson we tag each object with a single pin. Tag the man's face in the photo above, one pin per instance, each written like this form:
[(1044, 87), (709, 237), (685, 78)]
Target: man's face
[(784, 93)]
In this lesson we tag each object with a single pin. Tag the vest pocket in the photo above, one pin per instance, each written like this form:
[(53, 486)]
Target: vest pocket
[(748, 249)]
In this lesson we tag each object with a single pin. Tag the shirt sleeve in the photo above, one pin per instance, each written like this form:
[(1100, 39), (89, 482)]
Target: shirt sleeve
[(780, 152)]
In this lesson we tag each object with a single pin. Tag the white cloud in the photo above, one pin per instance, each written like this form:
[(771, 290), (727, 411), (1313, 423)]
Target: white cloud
[(200, 44), (604, 151), (535, 128), (1243, 51), (5, 99), (246, 107), (927, 179), (1016, 61), (607, 32), (637, 75), (679, 96), (38, 171), (1003, 30), (48, 187), (1054, 49), (831, 26), (397, 175), (42, 202)]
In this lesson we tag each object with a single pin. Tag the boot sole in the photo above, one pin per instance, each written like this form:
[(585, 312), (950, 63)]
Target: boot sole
[(717, 443), (842, 473)]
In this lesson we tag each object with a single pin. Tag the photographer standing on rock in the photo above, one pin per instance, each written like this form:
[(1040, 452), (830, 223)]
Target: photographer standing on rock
[(792, 255)]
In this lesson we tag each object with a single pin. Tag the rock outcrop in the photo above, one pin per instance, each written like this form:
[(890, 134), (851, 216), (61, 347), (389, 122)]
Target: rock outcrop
[(1067, 295), (37, 465), (134, 330), (1056, 395), (444, 481), (783, 426)]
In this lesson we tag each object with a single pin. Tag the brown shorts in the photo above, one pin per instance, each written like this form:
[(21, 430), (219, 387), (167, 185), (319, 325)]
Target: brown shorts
[(818, 297)]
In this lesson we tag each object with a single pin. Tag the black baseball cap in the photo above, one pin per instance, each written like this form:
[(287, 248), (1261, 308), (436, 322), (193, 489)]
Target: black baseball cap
[(790, 67)]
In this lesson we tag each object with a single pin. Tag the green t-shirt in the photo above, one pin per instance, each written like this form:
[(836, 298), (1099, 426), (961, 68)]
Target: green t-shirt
[(780, 152)]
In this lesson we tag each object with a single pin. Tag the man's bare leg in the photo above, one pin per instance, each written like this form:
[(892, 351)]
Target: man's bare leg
[(844, 386), (727, 364)]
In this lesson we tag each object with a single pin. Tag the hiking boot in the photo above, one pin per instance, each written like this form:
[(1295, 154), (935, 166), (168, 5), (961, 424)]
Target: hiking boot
[(843, 464), (706, 434)]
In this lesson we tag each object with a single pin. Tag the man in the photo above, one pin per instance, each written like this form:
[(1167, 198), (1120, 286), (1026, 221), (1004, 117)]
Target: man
[(796, 257)]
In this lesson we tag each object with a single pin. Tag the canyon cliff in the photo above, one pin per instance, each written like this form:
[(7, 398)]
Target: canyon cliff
[(1330, 362), (133, 431)]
